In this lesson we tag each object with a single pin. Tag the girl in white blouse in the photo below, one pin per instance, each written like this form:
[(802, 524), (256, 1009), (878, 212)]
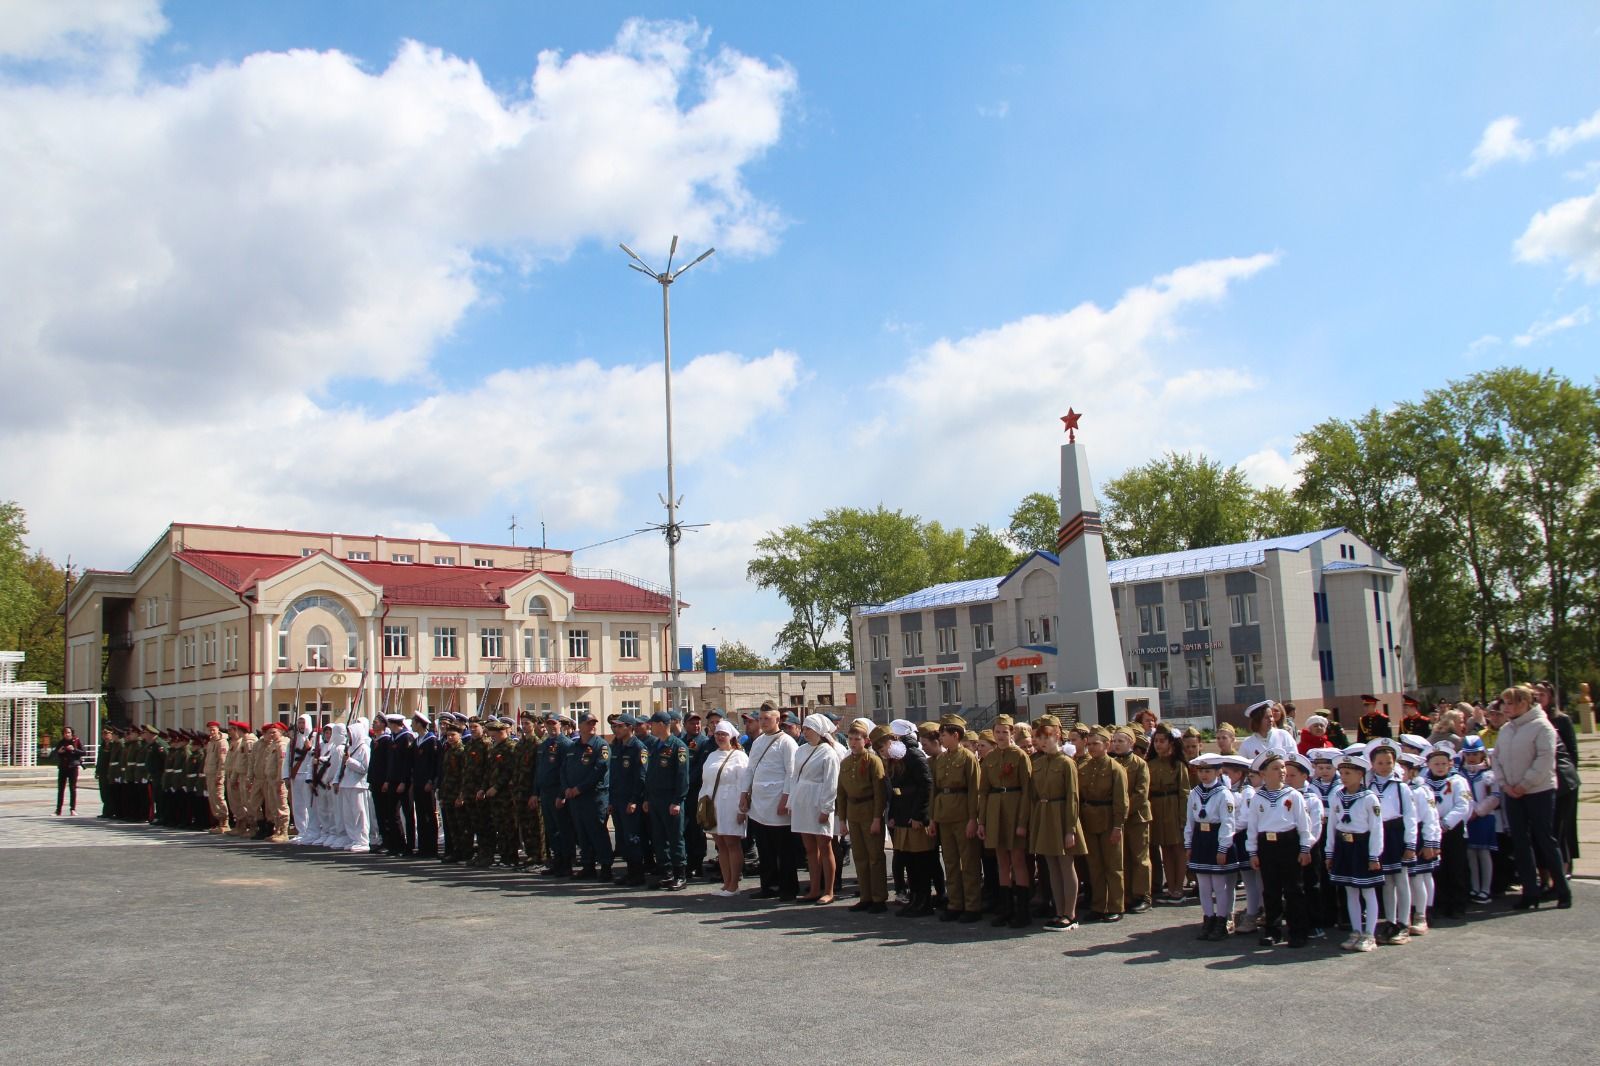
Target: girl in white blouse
[(810, 796), (723, 784)]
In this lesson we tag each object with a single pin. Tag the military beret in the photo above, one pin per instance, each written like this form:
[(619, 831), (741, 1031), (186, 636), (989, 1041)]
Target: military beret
[(279, 726), (213, 725)]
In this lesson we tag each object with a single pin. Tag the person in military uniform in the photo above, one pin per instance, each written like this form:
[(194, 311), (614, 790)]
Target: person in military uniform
[(1004, 797), (1136, 827), (474, 778), (102, 771), (628, 756), (525, 802), (214, 772), (502, 797), (166, 779), (423, 792), (272, 755), (1169, 797), (554, 817), (666, 788), (240, 786), (1103, 809), (199, 808), (910, 788), (1053, 820), (452, 771), (955, 821), (863, 798), (694, 835), (1414, 719), (383, 797), (1374, 721), (402, 770), (586, 789)]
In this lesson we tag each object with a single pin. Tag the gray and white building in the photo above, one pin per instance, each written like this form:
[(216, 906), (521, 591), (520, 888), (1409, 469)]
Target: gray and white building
[(1318, 619)]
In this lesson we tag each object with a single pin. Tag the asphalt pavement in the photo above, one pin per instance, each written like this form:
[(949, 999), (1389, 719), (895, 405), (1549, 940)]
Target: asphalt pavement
[(193, 948)]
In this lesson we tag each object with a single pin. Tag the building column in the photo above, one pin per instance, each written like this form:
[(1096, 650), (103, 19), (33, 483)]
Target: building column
[(374, 655), (267, 641)]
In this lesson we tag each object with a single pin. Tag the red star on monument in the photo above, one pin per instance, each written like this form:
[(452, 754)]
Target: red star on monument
[(1071, 421)]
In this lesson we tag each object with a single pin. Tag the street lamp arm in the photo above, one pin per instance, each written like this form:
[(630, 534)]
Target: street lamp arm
[(701, 258)]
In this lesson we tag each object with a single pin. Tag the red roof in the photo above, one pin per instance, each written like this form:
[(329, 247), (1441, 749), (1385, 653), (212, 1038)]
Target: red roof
[(387, 538), (434, 586)]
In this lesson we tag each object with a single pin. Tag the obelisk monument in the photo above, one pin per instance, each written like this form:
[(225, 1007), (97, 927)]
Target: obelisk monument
[(1091, 666)]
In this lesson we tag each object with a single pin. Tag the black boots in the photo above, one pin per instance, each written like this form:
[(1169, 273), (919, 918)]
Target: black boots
[(1021, 901)]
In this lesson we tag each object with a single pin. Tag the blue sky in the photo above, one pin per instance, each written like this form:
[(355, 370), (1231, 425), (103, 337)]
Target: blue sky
[(380, 289)]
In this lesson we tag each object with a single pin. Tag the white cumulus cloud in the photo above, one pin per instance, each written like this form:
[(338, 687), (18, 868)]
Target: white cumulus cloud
[(1499, 143), (1568, 232)]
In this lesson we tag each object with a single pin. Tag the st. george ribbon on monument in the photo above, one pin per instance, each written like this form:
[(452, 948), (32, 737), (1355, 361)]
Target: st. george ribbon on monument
[(1090, 665)]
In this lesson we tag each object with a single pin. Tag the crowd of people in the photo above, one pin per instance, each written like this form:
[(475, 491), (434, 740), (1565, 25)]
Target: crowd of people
[(1022, 821)]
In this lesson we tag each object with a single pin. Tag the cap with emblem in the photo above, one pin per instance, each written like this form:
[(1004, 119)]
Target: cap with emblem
[(927, 729), (1207, 761), (694, 716), (1301, 761), (567, 718), (589, 716), (1356, 749), (952, 721), (1227, 727), (1355, 762), (1046, 721), (1412, 759), (1004, 720), (213, 725), (986, 736), (1234, 762), (1323, 754), (1444, 748), (1413, 742), (880, 733), (673, 716), (623, 719), (1381, 744), (1264, 759)]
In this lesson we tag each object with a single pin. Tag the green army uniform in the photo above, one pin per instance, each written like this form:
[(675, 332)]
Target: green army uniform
[(474, 779), (863, 797), (503, 803), (155, 761), (102, 777), (199, 807), (452, 769), (1136, 832), (1103, 807), (529, 824)]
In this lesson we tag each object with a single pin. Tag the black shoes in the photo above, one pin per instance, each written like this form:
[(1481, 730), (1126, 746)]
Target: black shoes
[(1140, 905)]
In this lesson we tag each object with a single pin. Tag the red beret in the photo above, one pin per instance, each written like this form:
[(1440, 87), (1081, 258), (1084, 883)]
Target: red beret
[(215, 725), (273, 725)]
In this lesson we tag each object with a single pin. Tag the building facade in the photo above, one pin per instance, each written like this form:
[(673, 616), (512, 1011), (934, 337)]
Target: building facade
[(731, 691), (1317, 619), (217, 622)]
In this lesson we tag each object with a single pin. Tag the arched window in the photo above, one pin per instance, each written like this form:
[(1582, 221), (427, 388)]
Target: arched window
[(352, 640), (539, 607), (317, 655)]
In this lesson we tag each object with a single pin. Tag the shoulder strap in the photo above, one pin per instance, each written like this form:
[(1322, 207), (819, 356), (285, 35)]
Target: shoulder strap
[(718, 782)]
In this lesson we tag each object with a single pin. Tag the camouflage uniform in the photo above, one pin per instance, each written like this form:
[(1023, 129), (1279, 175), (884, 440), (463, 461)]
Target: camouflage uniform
[(475, 821), (503, 804), (452, 768), (529, 827)]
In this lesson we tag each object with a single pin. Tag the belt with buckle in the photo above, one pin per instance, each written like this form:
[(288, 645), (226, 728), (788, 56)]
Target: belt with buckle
[(1349, 838), (1271, 837), (1000, 791), (1205, 826), (950, 791)]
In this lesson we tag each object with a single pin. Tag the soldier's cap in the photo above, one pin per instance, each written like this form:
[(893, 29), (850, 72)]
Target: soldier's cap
[(1412, 759), (148, 728), (1353, 762), (567, 718), (790, 718), (1356, 749), (1265, 759), (499, 725), (749, 715), (213, 725), (1191, 732), (1227, 727), (473, 719), (1249, 712), (1208, 761), (275, 725), (531, 716), (661, 717), (395, 719), (1046, 721), (1130, 732), (1234, 762), (830, 716), (673, 716), (866, 725), (1409, 701), (1299, 760), (694, 716), (420, 716), (1381, 744), (879, 733), (714, 712), (589, 716), (1100, 732), (927, 729), (452, 727), (1004, 719), (1369, 699), (1414, 742), (1444, 748), (1324, 754), (953, 721), (986, 736), (624, 719)]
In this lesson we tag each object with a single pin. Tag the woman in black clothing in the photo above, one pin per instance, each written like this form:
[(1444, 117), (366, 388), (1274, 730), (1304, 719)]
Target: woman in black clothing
[(68, 753)]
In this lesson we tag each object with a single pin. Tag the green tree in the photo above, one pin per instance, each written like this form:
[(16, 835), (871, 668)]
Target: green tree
[(1175, 503), (788, 562), (945, 550), (988, 555), (1034, 523), (19, 603), (1280, 513), (737, 655)]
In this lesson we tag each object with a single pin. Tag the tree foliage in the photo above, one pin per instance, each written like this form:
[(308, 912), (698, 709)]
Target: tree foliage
[(1034, 523), (1175, 503)]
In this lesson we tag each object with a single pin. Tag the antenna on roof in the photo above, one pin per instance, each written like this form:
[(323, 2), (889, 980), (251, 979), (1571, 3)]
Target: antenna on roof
[(513, 531)]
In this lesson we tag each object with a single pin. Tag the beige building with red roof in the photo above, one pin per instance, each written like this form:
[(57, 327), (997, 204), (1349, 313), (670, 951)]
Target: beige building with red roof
[(225, 622)]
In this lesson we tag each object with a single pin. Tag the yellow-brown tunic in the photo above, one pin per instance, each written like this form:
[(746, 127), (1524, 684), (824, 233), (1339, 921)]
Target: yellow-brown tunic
[(1003, 797), (1053, 806), (1169, 797)]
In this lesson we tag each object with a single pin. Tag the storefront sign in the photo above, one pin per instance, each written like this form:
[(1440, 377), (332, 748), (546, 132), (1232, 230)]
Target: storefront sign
[(629, 680), (924, 671), (549, 680), (447, 680), (1019, 662)]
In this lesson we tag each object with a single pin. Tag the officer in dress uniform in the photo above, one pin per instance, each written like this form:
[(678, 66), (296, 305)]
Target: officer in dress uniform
[(425, 766), (556, 819), (1103, 810), (1136, 829), (402, 769), (1374, 721), (1413, 719), (628, 755), (378, 783), (586, 788), (666, 788)]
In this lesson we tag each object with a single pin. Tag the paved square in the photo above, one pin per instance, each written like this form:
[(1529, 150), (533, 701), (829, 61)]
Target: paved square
[(209, 950)]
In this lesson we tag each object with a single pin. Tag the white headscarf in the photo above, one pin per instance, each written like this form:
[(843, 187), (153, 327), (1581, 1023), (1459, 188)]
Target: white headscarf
[(726, 729), (820, 724)]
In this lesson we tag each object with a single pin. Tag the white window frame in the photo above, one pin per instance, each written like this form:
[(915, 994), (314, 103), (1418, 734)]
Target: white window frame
[(491, 642), (443, 560), (444, 642), (403, 558), (1242, 609), (949, 692), (1196, 614), (983, 636), (578, 644), (633, 707), (396, 642), (358, 557), (319, 654), (483, 564), (627, 644), (911, 641)]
